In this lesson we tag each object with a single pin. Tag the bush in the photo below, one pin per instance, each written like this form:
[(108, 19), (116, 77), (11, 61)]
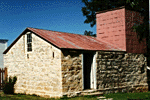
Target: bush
[(9, 85)]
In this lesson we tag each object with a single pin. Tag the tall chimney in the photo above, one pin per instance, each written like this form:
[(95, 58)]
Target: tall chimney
[(114, 27)]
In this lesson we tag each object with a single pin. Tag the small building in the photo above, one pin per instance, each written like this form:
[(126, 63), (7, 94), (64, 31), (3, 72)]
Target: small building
[(3, 46), (52, 64)]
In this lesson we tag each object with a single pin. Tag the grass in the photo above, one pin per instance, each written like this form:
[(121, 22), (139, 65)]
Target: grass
[(115, 96), (129, 96), (34, 97)]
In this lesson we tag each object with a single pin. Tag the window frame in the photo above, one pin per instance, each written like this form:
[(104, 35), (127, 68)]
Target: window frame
[(29, 42)]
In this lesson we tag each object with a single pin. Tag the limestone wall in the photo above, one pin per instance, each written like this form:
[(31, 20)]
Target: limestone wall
[(118, 71), (37, 71), (71, 72)]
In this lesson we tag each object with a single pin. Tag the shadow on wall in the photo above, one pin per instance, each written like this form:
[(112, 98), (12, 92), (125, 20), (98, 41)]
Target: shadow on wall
[(148, 79), (71, 53), (148, 69)]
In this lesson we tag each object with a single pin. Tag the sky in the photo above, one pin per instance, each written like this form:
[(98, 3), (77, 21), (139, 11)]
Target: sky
[(56, 15)]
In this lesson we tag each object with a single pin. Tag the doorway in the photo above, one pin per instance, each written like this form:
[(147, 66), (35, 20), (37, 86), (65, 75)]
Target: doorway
[(89, 74)]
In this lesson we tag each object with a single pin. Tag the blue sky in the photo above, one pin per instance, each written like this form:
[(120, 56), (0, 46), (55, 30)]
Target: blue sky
[(57, 15)]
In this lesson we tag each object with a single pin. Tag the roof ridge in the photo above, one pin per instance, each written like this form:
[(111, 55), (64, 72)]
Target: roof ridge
[(60, 31)]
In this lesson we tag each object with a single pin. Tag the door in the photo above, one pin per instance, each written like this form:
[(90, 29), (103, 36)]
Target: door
[(88, 70)]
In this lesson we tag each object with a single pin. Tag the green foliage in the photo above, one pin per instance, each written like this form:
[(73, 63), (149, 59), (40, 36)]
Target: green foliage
[(89, 33), (9, 85)]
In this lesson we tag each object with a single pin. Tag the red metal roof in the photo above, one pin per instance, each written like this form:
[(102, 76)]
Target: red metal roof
[(65, 40), (72, 41)]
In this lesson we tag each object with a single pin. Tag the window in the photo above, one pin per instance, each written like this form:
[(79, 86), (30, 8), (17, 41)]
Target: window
[(29, 42), (53, 55)]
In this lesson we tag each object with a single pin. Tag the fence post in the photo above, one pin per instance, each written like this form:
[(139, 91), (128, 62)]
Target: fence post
[(3, 76), (5, 73), (2, 71), (0, 79)]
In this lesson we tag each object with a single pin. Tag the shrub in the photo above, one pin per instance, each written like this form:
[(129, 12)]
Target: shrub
[(9, 85)]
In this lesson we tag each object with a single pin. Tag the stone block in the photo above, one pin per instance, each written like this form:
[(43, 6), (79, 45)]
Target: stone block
[(64, 68), (77, 72), (71, 68), (24, 86), (56, 89), (42, 84), (79, 67), (39, 88), (65, 89)]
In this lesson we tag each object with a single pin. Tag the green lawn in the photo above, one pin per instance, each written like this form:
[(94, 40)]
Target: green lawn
[(33, 97), (116, 96), (126, 96)]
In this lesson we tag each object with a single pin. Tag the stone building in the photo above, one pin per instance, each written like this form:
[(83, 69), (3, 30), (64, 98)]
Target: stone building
[(52, 64), (3, 46)]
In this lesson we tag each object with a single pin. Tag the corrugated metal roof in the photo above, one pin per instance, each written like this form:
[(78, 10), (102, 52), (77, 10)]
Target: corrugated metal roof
[(65, 40), (72, 41)]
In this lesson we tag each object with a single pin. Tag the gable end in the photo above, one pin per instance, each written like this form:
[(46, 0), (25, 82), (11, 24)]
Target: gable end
[(24, 32)]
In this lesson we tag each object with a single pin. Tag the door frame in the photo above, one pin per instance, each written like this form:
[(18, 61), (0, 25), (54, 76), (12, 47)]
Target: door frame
[(93, 72)]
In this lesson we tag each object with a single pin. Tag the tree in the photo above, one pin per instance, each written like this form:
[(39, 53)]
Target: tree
[(142, 30), (89, 33)]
